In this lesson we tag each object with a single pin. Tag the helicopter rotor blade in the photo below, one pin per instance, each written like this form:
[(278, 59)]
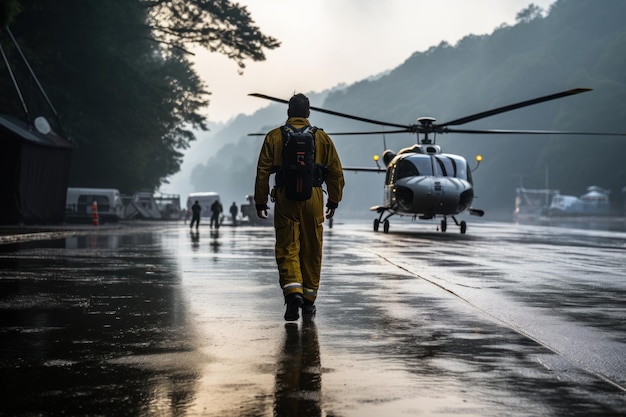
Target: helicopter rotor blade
[(279, 100), (383, 132), (531, 132), (358, 118), (514, 106), (333, 113), (363, 169)]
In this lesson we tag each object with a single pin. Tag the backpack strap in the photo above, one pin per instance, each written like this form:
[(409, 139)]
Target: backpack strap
[(287, 129)]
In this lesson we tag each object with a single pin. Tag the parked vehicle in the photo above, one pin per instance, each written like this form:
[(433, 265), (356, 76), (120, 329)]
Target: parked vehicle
[(142, 205), (79, 202), (169, 205), (593, 203), (531, 203), (249, 215)]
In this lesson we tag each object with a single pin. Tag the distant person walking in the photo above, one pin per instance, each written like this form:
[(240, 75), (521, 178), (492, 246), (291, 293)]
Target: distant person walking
[(216, 210), (233, 212), (195, 214)]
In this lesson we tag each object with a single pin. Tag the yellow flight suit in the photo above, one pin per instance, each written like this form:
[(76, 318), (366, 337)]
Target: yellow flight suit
[(299, 224)]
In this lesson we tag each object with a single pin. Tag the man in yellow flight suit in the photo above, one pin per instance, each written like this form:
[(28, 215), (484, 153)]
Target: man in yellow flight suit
[(298, 224)]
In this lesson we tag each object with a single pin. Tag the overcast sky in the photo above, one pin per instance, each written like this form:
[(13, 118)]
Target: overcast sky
[(328, 42)]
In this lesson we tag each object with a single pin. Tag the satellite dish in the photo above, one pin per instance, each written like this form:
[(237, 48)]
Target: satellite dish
[(42, 125)]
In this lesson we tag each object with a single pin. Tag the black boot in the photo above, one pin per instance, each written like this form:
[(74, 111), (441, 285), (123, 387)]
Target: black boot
[(293, 302), (308, 309)]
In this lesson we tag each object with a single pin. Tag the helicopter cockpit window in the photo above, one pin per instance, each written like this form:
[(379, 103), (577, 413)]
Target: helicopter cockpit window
[(451, 167), (405, 168), (413, 166)]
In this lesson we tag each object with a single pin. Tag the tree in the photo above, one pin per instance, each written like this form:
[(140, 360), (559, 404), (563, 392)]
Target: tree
[(120, 77), (220, 26), (530, 13), (8, 9)]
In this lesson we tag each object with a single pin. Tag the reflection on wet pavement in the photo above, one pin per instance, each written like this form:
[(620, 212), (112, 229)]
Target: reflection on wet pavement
[(299, 375), (74, 314), (161, 321)]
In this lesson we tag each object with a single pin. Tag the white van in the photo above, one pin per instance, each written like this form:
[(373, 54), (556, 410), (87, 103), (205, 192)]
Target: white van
[(79, 201), (205, 199)]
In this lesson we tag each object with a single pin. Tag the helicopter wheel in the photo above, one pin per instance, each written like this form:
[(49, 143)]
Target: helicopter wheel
[(376, 224), (386, 226), (444, 225), (463, 227)]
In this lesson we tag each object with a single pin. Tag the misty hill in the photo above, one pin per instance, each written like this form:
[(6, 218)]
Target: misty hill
[(577, 43)]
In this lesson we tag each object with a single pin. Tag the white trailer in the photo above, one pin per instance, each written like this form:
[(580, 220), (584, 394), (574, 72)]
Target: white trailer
[(79, 201)]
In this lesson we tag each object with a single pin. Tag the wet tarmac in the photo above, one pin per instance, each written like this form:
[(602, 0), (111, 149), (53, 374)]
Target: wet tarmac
[(150, 319)]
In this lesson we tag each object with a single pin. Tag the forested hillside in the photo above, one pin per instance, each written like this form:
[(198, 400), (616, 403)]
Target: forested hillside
[(577, 43)]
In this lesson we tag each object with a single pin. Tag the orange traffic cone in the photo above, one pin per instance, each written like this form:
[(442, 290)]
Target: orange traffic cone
[(94, 213)]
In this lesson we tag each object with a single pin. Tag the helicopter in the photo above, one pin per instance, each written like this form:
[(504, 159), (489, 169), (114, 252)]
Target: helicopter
[(423, 182)]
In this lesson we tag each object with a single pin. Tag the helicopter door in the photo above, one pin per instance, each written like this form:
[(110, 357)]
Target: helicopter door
[(388, 192)]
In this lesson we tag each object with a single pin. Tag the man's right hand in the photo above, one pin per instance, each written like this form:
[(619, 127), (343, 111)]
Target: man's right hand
[(261, 210)]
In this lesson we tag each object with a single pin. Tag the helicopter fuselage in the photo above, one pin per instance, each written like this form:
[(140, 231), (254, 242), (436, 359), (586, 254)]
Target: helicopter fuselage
[(429, 196), (423, 181)]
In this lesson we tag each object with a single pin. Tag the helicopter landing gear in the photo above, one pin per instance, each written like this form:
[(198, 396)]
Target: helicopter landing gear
[(385, 225), (384, 221), (462, 225)]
